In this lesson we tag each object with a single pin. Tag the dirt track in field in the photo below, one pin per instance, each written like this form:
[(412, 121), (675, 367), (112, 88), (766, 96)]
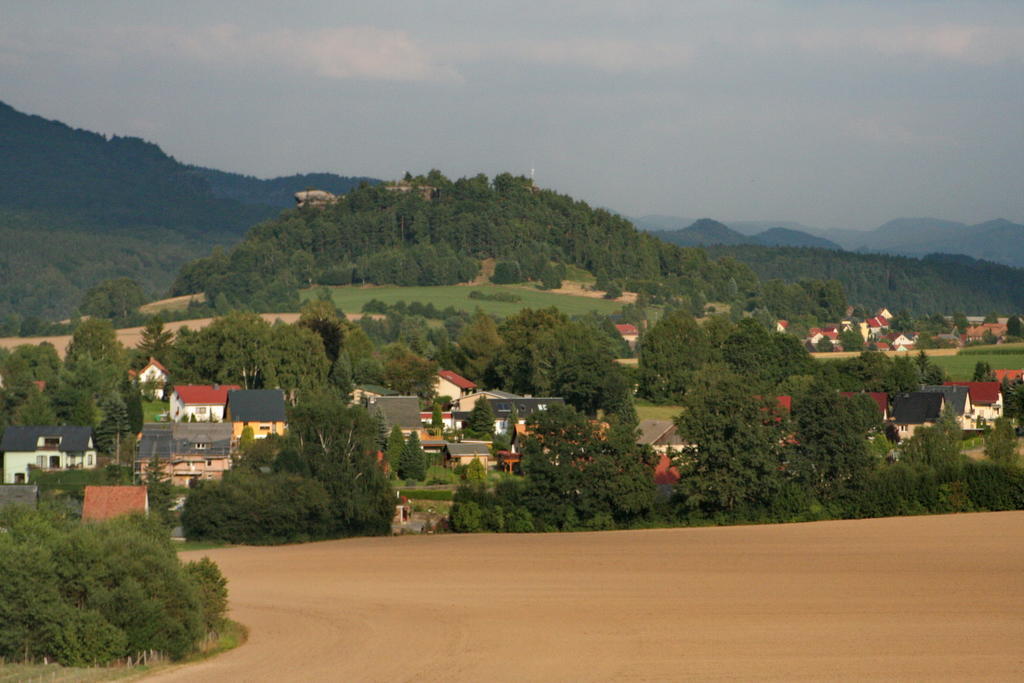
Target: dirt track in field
[(918, 598)]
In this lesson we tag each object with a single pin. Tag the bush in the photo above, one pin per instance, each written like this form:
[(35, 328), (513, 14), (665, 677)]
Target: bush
[(85, 594), (467, 517), (507, 273)]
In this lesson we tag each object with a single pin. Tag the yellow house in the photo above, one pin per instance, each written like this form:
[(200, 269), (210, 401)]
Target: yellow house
[(261, 410)]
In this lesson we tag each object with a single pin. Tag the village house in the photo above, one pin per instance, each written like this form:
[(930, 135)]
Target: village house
[(958, 398), (47, 448), (465, 404), (199, 402), (452, 384), (185, 452), (978, 333), (365, 394), (782, 326), (261, 410), (661, 435), (1009, 376), (916, 409), (151, 378), (466, 452), (400, 411), (107, 502), (986, 399)]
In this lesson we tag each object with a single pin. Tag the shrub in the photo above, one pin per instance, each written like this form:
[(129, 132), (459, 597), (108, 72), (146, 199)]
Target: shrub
[(467, 517)]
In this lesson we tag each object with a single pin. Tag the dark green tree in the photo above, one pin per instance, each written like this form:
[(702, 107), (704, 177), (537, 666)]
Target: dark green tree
[(413, 462), (481, 420)]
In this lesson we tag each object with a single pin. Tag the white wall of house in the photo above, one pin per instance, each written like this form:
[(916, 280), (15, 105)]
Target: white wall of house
[(17, 464), (182, 412)]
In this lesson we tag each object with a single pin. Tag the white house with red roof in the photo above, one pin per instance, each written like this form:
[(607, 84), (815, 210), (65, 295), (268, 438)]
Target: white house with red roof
[(153, 374), (1011, 376), (782, 326), (986, 397), (453, 385), (200, 402), (877, 326)]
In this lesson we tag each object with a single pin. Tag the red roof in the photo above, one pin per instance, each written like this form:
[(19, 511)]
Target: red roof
[(626, 328), (156, 364), (879, 397), (456, 379), (983, 393), (1009, 375), (204, 394), (782, 323), (665, 472), (107, 502), (785, 402)]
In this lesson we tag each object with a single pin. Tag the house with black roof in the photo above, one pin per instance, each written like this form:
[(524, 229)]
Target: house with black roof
[(916, 409), (47, 448), (261, 410), (958, 398)]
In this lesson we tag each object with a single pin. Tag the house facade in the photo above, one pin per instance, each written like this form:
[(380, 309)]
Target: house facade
[(986, 400), (186, 452), (154, 375), (916, 409), (47, 448), (200, 402), (452, 384), (262, 410)]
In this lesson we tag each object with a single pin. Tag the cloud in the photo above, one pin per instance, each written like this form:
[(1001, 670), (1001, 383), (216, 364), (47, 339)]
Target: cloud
[(601, 54), (340, 53)]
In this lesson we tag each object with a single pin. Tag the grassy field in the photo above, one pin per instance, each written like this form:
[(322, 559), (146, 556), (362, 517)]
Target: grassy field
[(150, 409), (351, 299), (649, 411), (961, 367)]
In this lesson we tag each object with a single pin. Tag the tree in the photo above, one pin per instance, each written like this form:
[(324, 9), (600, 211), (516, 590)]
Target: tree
[(116, 298), (96, 355), (157, 342), (114, 425), (550, 278), (830, 453), (825, 345), (395, 446), (246, 440), (481, 420), (36, 410), (160, 492), (735, 460), (1001, 443), (322, 317), (407, 372), (481, 343), (132, 396), (341, 374), (436, 420), (476, 473), (1014, 326), (851, 339), (413, 462), (983, 372), (670, 352)]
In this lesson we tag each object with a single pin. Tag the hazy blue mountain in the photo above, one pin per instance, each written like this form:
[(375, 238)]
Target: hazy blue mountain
[(784, 237), (999, 240), (656, 222), (703, 232), (757, 227)]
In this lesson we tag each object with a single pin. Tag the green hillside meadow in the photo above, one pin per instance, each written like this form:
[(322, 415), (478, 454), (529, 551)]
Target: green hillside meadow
[(352, 299)]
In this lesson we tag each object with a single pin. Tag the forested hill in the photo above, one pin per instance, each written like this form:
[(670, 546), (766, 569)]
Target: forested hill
[(936, 283), (431, 230), (77, 207), (103, 184)]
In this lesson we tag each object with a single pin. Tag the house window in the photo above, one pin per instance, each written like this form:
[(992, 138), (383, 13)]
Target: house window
[(264, 428), (209, 463), (19, 477), (88, 460), (542, 406), (41, 461), (54, 462), (51, 442), (201, 446), (201, 410)]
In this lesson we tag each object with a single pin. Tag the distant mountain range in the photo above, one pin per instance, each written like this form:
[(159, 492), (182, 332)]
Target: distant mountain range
[(1000, 240), (707, 232)]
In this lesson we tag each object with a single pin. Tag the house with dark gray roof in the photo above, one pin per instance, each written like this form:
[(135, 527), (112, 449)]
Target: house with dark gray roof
[(260, 410), (46, 448), (523, 406), (187, 452), (403, 411), (916, 409), (958, 398)]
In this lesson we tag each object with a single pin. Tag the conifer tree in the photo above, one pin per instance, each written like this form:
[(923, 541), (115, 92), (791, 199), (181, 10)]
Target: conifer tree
[(395, 447), (413, 461)]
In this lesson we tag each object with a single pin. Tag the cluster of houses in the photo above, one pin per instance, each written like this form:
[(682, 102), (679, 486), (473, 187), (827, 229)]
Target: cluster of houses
[(877, 336), (511, 411)]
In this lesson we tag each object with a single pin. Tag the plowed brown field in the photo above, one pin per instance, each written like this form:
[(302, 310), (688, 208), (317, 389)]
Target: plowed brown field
[(919, 598)]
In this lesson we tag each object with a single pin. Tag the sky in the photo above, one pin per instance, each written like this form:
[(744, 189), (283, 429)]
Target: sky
[(829, 113)]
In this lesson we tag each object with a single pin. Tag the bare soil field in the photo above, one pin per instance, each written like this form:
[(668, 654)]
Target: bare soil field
[(918, 598)]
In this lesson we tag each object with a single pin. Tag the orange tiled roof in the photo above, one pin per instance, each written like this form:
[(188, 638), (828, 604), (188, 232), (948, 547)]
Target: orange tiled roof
[(107, 502)]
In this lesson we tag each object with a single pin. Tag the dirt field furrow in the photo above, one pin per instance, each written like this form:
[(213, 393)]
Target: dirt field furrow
[(920, 598)]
